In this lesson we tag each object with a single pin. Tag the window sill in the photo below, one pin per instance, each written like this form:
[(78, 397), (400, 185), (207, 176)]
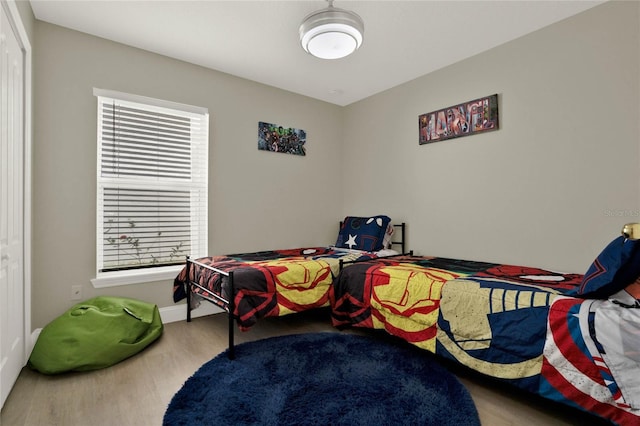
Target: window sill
[(118, 278)]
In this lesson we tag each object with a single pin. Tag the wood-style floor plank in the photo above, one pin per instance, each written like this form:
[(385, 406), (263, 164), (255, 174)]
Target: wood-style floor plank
[(136, 392)]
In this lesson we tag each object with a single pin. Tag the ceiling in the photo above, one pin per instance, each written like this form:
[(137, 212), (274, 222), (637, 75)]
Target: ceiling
[(259, 41)]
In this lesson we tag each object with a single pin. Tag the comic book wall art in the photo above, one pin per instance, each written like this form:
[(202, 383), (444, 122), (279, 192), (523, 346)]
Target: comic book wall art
[(272, 137), (469, 118)]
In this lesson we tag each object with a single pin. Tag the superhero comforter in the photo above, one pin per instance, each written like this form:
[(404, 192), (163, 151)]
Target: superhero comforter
[(509, 322), (268, 283)]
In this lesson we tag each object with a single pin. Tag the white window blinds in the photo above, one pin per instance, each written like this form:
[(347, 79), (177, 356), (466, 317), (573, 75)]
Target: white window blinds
[(152, 182)]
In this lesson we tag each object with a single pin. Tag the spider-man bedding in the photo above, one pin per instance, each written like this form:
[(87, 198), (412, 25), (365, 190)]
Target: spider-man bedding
[(518, 324)]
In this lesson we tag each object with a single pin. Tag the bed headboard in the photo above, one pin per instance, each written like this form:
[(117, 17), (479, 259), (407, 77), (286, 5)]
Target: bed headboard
[(402, 241)]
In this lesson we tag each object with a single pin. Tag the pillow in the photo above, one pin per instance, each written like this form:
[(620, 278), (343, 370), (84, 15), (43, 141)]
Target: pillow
[(386, 241), (363, 233), (387, 252), (615, 268)]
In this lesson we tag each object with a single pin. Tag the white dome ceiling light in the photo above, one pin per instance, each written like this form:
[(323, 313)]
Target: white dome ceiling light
[(331, 33)]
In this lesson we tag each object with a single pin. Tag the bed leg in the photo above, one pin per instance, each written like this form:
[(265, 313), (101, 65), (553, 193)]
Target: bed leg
[(232, 349), (188, 290)]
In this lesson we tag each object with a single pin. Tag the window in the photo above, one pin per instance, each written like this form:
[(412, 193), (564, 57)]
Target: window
[(152, 187)]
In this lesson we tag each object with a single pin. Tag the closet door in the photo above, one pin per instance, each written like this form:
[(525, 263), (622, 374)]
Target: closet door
[(12, 161)]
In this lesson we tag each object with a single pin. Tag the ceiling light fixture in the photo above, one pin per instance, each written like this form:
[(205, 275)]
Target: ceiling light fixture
[(331, 33)]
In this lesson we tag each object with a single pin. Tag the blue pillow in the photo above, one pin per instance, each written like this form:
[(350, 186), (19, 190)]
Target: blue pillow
[(363, 233), (615, 268)]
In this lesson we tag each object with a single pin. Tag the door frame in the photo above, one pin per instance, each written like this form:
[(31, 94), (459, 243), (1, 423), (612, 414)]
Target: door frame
[(11, 9)]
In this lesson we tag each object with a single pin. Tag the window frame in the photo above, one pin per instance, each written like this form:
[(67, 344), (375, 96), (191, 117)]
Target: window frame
[(162, 272)]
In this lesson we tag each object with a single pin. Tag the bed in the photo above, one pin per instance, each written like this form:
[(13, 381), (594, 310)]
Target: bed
[(570, 338), (250, 286)]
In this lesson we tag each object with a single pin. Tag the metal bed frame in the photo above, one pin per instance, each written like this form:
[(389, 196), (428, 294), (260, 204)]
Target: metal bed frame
[(228, 305), (212, 297)]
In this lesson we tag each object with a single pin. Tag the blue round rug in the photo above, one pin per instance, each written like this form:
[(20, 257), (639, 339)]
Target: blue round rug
[(323, 379)]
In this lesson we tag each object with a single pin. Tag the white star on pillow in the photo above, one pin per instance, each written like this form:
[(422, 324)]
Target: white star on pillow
[(351, 241)]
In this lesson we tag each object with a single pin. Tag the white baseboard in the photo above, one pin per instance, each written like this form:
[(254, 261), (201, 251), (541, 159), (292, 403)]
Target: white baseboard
[(31, 343), (179, 312)]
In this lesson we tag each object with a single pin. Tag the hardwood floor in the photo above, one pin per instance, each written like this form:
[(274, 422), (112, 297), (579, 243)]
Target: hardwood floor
[(137, 391)]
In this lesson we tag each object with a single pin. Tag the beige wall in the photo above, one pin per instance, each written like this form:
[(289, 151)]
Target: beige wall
[(536, 192), (551, 187), (258, 200)]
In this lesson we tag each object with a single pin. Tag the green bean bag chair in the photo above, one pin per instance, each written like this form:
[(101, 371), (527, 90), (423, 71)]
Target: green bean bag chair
[(95, 334)]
